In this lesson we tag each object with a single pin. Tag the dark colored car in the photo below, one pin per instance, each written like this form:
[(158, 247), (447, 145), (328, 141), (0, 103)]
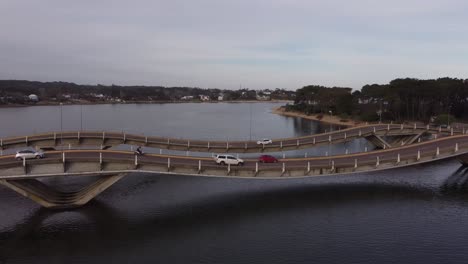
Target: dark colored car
[(267, 159)]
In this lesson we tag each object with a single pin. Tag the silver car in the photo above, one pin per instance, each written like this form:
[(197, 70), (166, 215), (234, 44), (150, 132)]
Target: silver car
[(29, 154), (228, 159)]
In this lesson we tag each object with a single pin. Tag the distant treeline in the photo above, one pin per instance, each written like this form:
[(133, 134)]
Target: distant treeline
[(400, 100), (11, 90)]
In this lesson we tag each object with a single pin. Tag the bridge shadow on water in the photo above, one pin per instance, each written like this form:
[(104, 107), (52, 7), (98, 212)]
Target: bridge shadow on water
[(107, 228), (457, 183)]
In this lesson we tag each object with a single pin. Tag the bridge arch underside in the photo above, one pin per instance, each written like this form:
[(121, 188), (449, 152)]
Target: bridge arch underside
[(383, 136), (110, 166)]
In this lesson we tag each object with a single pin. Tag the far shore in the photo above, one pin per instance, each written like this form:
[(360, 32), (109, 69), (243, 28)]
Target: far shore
[(55, 103), (326, 118)]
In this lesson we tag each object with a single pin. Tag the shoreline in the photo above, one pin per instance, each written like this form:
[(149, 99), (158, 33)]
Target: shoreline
[(325, 119), (139, 102)]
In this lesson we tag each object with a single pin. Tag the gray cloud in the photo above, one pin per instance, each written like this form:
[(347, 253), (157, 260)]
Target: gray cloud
[(210, 43)]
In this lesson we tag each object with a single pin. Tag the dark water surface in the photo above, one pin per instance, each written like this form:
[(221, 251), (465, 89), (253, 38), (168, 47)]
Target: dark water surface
[(408, 215)]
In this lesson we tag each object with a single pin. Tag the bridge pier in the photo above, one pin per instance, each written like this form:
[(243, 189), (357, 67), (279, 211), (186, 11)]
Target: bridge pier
[(49, 197)]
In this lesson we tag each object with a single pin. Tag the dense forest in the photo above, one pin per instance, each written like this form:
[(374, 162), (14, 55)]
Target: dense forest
[(17, 91), (400, 100)]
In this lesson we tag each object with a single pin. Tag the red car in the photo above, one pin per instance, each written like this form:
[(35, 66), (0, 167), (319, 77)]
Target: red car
[(267, 159)]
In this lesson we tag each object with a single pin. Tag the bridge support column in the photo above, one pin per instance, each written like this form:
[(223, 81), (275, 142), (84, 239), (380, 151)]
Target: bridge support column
[(49, 197)]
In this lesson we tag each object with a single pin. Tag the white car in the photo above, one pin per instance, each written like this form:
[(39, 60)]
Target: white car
[(228, 159), (264, 141), (29, 154)]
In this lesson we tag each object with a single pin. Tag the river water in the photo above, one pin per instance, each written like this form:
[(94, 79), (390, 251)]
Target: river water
[(408, 215)]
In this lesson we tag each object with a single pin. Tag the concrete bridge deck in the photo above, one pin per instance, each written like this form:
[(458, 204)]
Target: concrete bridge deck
[(375, 133), (114, 164)]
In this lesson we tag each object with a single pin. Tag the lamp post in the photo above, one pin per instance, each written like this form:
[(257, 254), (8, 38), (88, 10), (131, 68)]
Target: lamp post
[(81, 117), (448, 117), (61, 126), (250, 138), (331, 113)]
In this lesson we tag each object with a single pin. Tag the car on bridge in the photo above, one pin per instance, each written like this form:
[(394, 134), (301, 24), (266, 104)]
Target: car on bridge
[(29, 154), (264, 141), (228, 159), (267, 159)]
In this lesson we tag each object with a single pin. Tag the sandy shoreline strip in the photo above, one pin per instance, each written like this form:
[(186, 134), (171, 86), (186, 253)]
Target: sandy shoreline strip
[(326, 118)]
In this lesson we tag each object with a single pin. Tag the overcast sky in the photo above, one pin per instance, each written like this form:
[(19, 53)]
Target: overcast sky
[(224, 44)]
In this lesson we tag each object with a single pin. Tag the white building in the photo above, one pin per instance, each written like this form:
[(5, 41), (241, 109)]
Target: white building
[(33, 97), (204, 97), (187, 97)]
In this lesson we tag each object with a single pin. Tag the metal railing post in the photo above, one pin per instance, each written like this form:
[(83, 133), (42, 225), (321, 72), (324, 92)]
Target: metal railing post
[(308, 166), (398, 160), (437, 152), (355, 163), (100, 158), (168, 163), (419, 155)]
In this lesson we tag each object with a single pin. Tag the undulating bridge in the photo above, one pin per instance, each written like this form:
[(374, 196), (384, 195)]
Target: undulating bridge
[(24, 176)]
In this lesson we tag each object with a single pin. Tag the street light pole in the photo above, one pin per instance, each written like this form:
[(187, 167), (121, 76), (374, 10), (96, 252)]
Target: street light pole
[(448, 117), (331, 113), (81, 117), (250, 138), (61, 126)]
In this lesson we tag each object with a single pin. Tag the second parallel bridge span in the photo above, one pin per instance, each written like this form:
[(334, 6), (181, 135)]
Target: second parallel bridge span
[(406, 135)]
